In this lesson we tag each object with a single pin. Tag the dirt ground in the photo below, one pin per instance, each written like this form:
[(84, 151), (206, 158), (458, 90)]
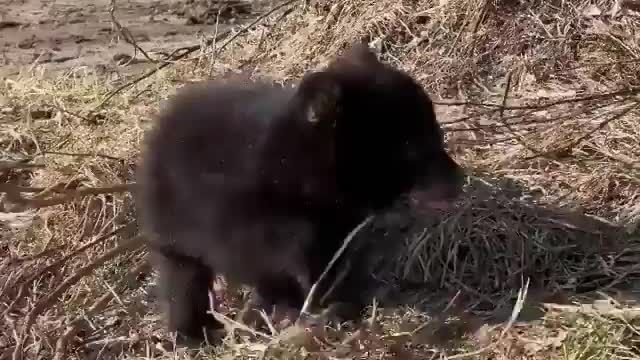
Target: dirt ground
[(539, 102), (76, 33)]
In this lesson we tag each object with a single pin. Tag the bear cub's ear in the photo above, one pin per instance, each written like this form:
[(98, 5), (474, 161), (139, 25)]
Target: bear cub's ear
[(319, 95), (360, 54)]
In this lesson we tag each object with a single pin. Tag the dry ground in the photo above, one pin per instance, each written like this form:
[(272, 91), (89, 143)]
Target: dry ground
[(539, 100), (81, 34)]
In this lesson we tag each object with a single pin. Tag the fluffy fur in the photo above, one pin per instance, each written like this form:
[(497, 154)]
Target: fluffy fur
[(261, 183)]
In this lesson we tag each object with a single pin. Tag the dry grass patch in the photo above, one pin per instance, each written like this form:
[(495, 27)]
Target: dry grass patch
[(543, 91), (539, 100)]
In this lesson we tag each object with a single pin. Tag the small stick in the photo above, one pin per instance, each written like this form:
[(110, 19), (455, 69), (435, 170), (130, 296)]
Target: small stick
[(336, 282), (61, 344), (14, 196), (565, 100), (186, 51), (585, 136), (232, 324), (345, 243), (100, 155), (58, 263), (98, 305), (126, 34), (14, 165), (522, 295), (128, 245)]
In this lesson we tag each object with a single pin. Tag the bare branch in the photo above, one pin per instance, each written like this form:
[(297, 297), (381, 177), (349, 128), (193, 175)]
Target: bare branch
[(58, 263), (345, 243), (14, 198), (128, 245), (126, 34), (183, 52)]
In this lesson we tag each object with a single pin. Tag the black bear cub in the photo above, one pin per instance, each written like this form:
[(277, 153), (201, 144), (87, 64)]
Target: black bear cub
[(261, 183)]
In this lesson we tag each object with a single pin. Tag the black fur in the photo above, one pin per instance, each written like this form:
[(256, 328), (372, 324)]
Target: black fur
[(261, 183)]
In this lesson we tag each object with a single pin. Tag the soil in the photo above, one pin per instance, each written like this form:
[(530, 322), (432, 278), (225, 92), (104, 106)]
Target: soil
[(67, 34)]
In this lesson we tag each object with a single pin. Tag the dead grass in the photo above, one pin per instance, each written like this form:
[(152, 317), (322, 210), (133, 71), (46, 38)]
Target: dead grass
[(539, 100)]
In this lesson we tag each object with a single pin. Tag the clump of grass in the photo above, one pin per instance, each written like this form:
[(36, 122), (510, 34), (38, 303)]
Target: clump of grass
[(538, 101)]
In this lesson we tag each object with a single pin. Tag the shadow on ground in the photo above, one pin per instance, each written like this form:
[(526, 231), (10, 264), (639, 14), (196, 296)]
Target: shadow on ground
[(446, 277), (463, 270)]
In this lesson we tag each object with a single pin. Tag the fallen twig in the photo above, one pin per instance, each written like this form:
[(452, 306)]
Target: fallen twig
[(15, 165), (500, 107), (58, 263), (590, 309), (126, 34), (37, 256), (522, 295), (230, 324), (345, 243), (128, 245), (80, 154), (72, 328), (566, 149), (98, 305), (186, 51), (16, 199), (518, 138)]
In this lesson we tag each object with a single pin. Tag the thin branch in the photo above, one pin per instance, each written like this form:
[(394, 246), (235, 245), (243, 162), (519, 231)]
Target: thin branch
[(72, 329), (128, 245), (232, 324), (37, 256), (522, 295), (518, 138), (69, 112), (186, 51), (58, 263), (15, 198), (44, 152), (28, 189), (60, 188), (598, 96), (126, 34), (576, 142), (98, 305), (15, 165), (345, 243)]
